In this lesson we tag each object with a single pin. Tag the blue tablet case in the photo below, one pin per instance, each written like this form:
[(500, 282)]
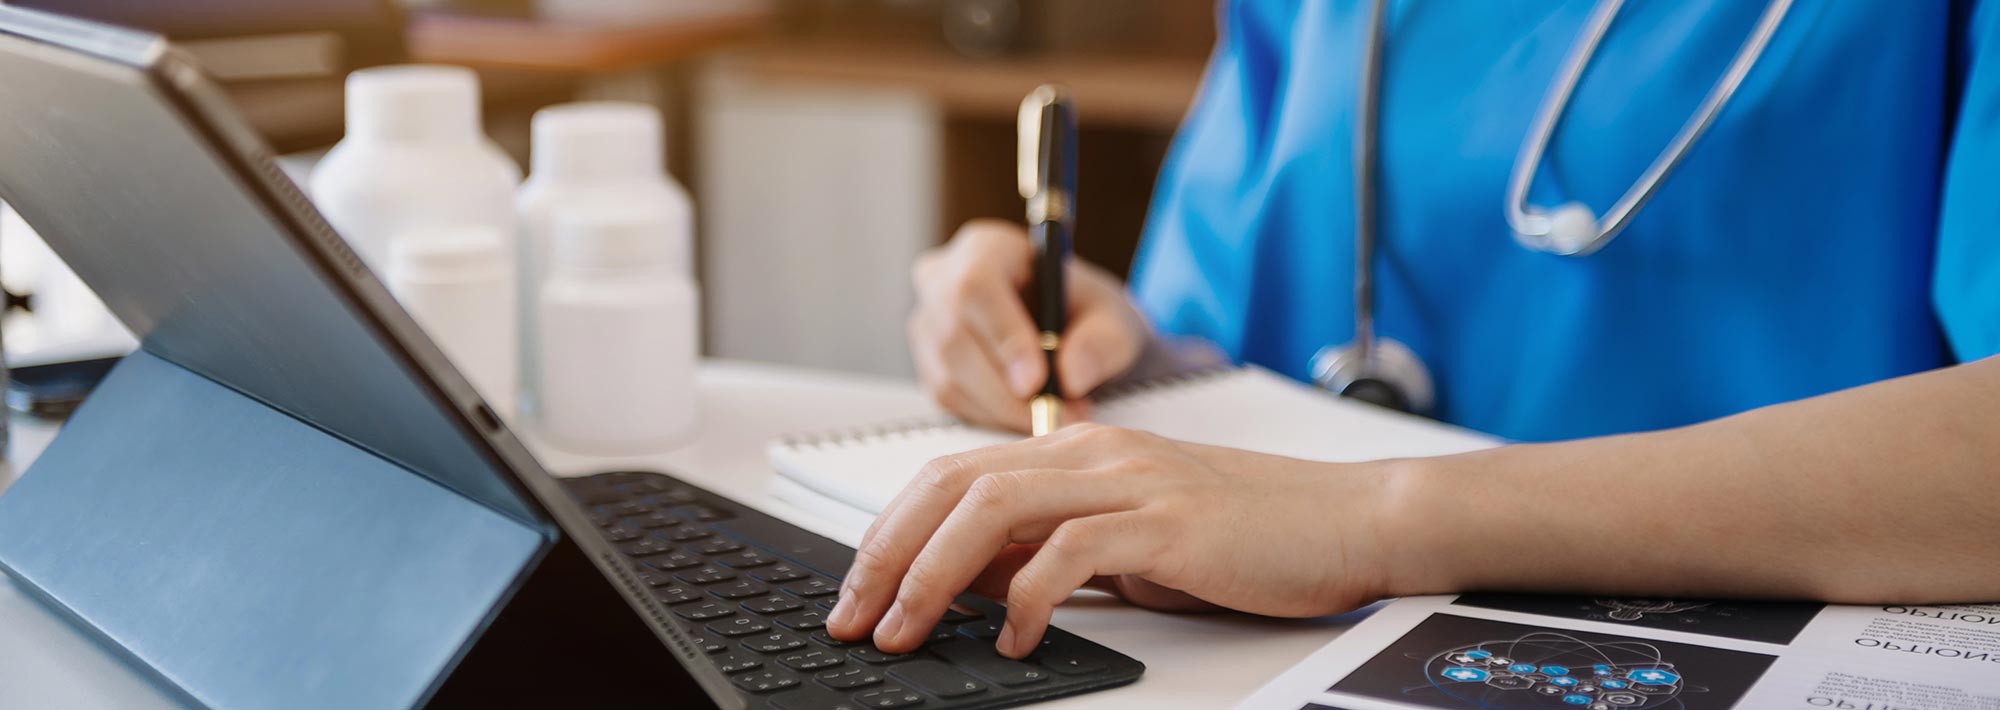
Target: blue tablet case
[(250, 559)]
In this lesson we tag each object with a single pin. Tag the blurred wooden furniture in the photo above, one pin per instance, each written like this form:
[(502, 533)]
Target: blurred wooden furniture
[(577, 47)]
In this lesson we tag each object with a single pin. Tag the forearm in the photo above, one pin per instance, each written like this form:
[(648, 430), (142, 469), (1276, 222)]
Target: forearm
[(1881, 493)]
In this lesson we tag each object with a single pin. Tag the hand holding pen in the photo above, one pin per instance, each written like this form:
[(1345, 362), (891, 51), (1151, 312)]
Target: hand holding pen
[(974, 334)]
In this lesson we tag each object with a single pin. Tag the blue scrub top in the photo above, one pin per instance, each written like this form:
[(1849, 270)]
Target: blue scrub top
[(1838, 224)]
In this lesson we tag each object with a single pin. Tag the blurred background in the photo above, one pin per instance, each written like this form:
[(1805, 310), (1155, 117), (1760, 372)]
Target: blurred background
[(825, 142)]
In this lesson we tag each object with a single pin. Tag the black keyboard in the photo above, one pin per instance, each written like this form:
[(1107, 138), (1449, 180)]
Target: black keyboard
[(755, 592)]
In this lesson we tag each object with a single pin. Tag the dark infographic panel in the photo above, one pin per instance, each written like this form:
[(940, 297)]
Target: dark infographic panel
[(1462, 663)]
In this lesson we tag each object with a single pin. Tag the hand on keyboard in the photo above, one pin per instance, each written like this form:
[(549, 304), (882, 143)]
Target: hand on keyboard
[(1252, 532)]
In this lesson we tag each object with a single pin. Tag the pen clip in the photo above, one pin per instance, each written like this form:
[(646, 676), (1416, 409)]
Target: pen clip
[(1046, 159)]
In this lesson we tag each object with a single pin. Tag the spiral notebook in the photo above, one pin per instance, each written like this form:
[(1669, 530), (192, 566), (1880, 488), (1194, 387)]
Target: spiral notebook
[(1246, 408)]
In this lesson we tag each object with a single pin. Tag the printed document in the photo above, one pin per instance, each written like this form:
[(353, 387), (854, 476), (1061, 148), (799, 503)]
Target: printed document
[(1508, 652)]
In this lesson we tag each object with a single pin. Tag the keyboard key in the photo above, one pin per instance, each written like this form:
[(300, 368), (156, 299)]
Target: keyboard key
[(739, 589), (746, 559), (937, 679), (889, 697), (671, 561), (774, 642), (653, 578), (811, 660), (871, 654), (813, 588), (621, 533), (857, 677), (960, 613), (709, 643), (670, 497), (628, 508), (812, 697), (704, 611), (823, 637), (773, 604), (686, 533), (641, 484), (737, 662), (739, 626), (778, 574), (676, 594), (766, 681), (1067, 664), (983, 661), (983, 631), (717, 546), (652, 521), (646, 546), (703, 513), (706, 575), (808, 620)]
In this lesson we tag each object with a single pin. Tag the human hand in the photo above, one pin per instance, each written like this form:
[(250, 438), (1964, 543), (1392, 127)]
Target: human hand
[(975, 345), (1169, 521)]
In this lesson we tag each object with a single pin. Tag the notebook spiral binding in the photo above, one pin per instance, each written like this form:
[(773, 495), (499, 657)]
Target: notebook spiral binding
[(1119, 394)]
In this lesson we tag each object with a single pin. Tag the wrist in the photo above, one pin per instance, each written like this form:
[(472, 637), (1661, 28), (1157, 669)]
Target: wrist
[(1425, 545)]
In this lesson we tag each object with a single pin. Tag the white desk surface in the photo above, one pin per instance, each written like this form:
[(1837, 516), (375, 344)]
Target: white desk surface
[(1193, 661)]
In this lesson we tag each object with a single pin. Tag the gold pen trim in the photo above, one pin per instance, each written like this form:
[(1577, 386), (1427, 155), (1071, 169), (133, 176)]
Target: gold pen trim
[(1045, 414)]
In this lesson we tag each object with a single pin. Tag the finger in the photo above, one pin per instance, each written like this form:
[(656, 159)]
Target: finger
[(1018, 506), (901, 529), (995, 244), (992, 582), (1074, 448), (1098, 345), (996, 315), (963, 377), (1113, 544)]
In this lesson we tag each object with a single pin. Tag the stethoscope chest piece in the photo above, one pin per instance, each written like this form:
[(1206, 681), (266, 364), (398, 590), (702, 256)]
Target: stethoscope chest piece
[(1386, 373)]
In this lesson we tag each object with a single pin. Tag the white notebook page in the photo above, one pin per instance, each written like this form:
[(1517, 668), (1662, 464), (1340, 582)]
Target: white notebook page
[(1246, 408)]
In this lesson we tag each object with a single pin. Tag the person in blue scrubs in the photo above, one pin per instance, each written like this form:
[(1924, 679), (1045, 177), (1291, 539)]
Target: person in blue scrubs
[(1781, 366)]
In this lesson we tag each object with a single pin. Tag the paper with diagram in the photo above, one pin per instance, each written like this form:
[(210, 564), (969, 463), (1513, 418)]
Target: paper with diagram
[(1526, 652)]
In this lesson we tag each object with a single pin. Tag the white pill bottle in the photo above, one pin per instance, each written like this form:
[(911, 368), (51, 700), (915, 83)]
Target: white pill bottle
[(414, 160), (459, 286), (607, 155), (619, 335)]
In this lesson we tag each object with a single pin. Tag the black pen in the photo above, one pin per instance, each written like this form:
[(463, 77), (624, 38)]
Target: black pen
[(1047, 174)]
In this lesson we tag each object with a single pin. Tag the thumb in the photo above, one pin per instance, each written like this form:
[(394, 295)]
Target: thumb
[(1099, 346)]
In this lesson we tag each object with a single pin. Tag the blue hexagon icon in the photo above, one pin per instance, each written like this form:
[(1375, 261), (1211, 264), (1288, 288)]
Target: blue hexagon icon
[(1555, 670), (1612, 684), (1479, 654), (1464, 675), (1564, 681), (1653, 676), (1576, 699), (1522, 668), (1601, 669)]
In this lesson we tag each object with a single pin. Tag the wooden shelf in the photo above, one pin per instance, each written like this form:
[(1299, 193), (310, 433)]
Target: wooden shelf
[(518, 43), (1132, 91)]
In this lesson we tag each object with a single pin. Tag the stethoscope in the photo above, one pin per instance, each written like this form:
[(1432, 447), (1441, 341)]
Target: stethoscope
[(1386, 372)]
